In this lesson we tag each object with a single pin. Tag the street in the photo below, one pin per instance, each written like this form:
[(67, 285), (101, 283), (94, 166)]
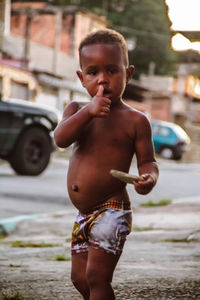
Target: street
[(46, 193), (161, 256)]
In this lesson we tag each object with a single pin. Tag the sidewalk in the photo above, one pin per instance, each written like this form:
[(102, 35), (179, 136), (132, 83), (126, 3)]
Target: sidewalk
[(161, 259)]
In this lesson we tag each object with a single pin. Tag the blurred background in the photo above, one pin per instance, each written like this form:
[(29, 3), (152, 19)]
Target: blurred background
[(39, 59), (38, 53)]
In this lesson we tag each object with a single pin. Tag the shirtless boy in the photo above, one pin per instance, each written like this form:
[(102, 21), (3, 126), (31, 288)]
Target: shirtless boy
[(106, 134)]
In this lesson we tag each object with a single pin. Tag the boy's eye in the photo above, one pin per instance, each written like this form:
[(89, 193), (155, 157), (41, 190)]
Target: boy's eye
[(91, 72), (112, 71)]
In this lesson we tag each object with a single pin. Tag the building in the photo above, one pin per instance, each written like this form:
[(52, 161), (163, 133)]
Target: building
[(44, 40), (16, 82)]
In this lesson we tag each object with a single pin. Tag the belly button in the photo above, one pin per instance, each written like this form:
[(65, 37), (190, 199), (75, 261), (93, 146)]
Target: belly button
[(74, 187)]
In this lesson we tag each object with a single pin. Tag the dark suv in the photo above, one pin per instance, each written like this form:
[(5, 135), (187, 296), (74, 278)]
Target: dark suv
[(26, 135)]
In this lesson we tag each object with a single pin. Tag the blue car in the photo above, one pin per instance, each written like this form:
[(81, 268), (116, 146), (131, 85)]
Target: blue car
[(169, 139)]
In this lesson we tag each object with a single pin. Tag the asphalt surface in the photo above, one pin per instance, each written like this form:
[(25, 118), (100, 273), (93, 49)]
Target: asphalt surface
[(161, 259), (22, 195)]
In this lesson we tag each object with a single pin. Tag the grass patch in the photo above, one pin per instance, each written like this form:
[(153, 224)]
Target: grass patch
[(180, 240), (151, 203), (61, 257), (14, 266), (11, 295), (22, 244), (58, 215), (143, 228), (3, 235)]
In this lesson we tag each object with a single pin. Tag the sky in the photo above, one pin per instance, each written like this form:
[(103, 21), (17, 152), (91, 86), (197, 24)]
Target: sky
[(185, 16)]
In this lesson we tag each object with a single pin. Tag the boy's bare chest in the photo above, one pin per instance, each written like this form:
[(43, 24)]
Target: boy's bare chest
[(110, 132)]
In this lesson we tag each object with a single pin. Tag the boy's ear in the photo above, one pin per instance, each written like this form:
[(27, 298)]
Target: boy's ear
[(80, 76), (129, 73)]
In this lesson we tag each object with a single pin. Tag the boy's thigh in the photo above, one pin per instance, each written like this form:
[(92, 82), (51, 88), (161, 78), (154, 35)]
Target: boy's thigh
[(105, 230), (79, 264), (110, 229), (101, 264)]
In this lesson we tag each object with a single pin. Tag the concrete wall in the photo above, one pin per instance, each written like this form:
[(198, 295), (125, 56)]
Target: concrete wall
[(42, 57)]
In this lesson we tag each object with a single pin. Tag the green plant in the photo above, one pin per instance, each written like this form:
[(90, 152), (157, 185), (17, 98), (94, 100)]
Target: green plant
[(161, 202), (3, 235), (11, 295), (143, 228), (61, 257), (14, 266), (180, 240), (22, 244)]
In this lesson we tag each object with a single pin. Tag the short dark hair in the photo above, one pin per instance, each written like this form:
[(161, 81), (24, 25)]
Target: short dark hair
[(105, 36)]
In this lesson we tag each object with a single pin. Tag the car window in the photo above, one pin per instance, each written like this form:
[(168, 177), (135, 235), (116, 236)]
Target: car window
[(164, 131), (160, 130), (155, 129)]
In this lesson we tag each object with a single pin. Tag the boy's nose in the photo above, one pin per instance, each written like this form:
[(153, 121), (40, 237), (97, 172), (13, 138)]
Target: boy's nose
[(103, 78)]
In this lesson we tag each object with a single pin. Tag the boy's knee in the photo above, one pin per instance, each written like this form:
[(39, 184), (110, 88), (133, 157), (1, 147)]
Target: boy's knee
[(81, 285), (96, 277), (77, 279)]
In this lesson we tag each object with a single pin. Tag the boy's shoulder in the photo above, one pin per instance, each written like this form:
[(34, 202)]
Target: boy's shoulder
[(134, 113)]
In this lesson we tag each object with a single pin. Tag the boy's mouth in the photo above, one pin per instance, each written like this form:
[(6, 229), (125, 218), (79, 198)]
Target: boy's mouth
[(107, 93)]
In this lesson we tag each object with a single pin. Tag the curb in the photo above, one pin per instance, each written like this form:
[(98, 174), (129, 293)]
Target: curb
[(187, 200), (9, 225)]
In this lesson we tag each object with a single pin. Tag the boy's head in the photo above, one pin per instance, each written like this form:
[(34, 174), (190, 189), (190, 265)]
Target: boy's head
[(105, 36), (104, 62)]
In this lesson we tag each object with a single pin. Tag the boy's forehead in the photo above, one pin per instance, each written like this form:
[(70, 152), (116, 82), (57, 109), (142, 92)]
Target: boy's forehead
[(110, 51)]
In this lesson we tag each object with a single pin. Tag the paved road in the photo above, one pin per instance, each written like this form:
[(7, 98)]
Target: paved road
[(161, 256), (48, 193), (29, 195), (160, 260), (176, 181)]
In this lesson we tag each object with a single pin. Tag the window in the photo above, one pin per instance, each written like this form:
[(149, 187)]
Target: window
[(19, 90), (155, 129), (164, 131)]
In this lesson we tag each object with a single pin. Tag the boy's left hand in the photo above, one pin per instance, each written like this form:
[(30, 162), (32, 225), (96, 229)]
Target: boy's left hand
[(145, 186)]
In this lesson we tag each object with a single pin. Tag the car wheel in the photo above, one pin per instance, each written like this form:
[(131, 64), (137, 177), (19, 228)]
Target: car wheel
[(177, 156), (32, 152), (166, 153)]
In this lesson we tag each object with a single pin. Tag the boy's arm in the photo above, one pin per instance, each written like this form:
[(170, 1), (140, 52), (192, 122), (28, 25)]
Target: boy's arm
[(75, 119), (147, 166)]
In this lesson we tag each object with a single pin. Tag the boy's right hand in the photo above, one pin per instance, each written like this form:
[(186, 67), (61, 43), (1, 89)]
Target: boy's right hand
[(100, 105)]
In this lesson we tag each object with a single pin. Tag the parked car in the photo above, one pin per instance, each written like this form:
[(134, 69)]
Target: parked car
[(26, 135), (170, 140)]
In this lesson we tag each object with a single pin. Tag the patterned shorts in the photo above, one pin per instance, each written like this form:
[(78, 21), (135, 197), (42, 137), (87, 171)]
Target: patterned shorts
[(106, 228)]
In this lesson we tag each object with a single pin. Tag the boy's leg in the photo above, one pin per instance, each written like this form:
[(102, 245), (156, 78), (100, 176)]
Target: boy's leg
[(78, 274), (100, 268)]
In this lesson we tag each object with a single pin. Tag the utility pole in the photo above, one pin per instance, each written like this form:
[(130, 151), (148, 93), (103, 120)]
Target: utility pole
[(4, 20), (26, 49), (149, 93), (56, 51)]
